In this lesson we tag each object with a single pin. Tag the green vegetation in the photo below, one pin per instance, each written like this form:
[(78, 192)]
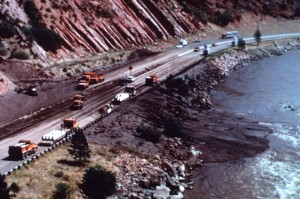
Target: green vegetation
[(62, 191), (178, 85), (241, 44), (173, 128), (224, 18), (98, 183), (47, 38), (257, 36), (19, 54), (7, 29), (79, 148), (14, 188), (4, 191), (149, 133), (105, 13)]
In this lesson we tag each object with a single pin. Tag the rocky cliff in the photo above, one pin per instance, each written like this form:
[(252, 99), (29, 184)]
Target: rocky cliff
[(97, 26)]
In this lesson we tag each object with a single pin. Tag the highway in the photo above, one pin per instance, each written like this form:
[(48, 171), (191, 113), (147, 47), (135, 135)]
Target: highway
[(163, 64)]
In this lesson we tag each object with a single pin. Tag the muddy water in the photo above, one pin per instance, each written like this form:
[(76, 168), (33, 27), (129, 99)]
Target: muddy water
[(267, 91)]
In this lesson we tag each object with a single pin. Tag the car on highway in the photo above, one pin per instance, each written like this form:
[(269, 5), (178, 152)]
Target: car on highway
[(179, 46), (130, 78), (196, 49)]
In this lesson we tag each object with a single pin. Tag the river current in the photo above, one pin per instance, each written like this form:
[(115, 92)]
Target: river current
[(267, 91)]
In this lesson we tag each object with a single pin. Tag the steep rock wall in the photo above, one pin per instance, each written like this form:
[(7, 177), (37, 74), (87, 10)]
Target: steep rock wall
[(88, 26)]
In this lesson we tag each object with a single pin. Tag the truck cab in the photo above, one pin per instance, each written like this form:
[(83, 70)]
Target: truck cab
[(151, 80), (70, 123), (131, 90)]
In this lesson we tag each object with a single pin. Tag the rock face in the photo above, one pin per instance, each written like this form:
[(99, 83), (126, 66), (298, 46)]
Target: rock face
[(97, 26)]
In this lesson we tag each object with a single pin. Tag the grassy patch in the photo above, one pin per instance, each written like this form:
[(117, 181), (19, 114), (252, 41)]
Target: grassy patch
[(38, 180)]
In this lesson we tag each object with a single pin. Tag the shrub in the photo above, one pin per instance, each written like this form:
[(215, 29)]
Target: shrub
[(225, 18), (241, 44), (14, 188), (297, 11), (104, 12), (32, 12), (47, 38), (98, 183), (19, 54), (149, 133), (173, 128), (7, 30), (59, 174), (3, 51), (62, 191), (178, 85)]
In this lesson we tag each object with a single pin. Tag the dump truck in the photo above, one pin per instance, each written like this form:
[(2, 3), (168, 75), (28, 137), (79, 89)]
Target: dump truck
[(78, 102), (131, 90), (54, 136), (96, 78), (22, 150), (120, 98), (151, 80), (105, 110), (70, 123), (84, 81)]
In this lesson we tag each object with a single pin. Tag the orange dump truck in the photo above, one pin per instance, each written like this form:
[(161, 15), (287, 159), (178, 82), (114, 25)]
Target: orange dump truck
[(96, 78), (78, 102), (22, 149), (84, 81), (70, 123)]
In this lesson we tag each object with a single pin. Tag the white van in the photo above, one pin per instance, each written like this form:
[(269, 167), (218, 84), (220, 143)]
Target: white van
[(182, 42), (230, 34)]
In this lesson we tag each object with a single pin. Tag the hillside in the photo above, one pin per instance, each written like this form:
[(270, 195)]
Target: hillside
[(53, 30)]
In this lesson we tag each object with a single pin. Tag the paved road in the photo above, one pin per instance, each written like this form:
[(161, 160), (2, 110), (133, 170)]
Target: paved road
[(171, 62)]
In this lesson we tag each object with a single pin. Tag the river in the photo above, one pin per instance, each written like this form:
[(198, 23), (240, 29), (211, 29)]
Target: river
[(267, 91)]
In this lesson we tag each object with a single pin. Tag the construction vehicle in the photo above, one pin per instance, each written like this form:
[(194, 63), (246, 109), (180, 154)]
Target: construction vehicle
[(206, 50), (78, 102), (70, 123), (131, 90), (54, 136), (151, 80), (120, 98), (96, 78), (105, 110), (84, 81), (230, 34), (22, 150)]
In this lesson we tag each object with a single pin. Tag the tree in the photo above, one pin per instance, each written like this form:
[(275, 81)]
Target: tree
[(62, 191), (257, 36), (7, 30), (130, 69), (14, 188), (241, 44), (80, 149), (97, 183), (4, 191)]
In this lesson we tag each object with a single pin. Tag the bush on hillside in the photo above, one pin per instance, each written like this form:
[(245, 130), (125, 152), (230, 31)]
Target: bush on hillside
[(62, 191), (47, 38), (224, 18), (104, 12), (173, 128), (19, 54), (178, 85), (7, 30), (149, 133), (98, 183)]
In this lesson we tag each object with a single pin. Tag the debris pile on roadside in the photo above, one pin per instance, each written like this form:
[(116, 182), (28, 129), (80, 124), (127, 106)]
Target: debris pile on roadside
[(156, 176)]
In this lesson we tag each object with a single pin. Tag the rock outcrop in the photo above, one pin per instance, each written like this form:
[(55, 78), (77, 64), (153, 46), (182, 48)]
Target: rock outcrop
[(97, 26)]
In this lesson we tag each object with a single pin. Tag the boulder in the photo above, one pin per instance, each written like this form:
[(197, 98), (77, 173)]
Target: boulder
[(161, 192)]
